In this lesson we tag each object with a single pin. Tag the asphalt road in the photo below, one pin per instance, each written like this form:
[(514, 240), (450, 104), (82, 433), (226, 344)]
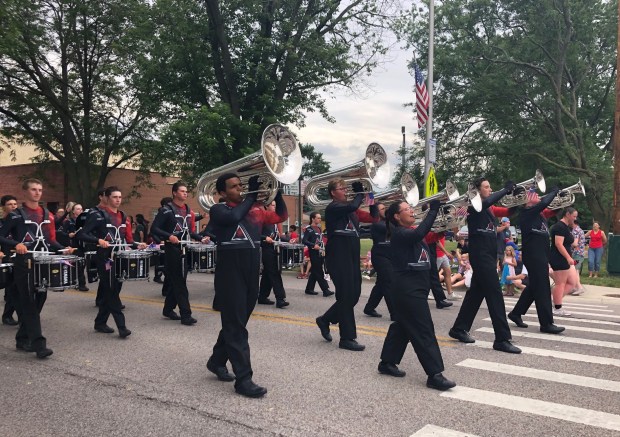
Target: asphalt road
[(155, 382)]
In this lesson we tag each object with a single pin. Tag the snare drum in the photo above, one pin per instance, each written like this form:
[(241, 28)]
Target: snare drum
[(92, 274), (132, 265), (291, 254), (6, 275), (55, 272), (200, 257)]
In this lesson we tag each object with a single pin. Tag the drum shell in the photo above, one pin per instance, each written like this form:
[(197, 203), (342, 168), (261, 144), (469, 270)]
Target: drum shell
[(291, 254), (132, 265), (200, 257), (55, 272), (6, 275), (92, 275)]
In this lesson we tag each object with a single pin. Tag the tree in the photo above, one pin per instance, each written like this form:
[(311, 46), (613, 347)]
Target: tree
[(69, 84), (232, 67), (524, 84), (314, 163)]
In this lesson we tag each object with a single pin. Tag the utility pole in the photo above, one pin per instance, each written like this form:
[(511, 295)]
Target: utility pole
[(615, 227), (429, 122), (402, 156)]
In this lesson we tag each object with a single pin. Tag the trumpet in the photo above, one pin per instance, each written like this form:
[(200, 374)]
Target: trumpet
[(408, 191), (278, 163), (373, 169), (566, 196), (518, 195)]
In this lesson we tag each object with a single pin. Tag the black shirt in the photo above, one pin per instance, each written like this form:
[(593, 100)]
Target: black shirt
[(557, 260)]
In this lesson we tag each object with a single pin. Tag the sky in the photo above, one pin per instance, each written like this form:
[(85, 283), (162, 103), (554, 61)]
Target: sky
[(376, 116)]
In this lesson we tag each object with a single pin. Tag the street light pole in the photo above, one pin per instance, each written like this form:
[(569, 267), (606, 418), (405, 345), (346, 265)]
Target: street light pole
[(402, 129)]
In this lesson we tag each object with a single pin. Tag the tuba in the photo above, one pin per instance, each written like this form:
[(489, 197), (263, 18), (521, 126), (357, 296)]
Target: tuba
[(518, 195), (278, 163), (374, 169), (408, 192), (566, 196)]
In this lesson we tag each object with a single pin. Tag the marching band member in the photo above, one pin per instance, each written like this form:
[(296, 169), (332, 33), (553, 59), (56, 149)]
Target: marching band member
[(313, 240), (105, 226), (237, 225), (410, 259), (485, 282), (343, 261), (175, 224), (9, 204), (535, 252), (272, 275), (68, 229), (27, 229)]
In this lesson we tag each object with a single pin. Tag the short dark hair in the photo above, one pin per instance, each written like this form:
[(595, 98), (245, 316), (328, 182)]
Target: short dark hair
[(6, 198), (568, 210), (478, 182), (292, 227), (333, 184), (111, 189), (101, 192), (220, 183), (29, 182), (177, 185), (313, 214), (165, 200)]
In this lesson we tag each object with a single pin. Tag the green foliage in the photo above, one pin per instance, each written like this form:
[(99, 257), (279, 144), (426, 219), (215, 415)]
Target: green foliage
[(522, 85), (314, 163)]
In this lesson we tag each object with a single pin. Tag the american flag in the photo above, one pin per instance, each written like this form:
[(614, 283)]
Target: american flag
[(108, 264), (461, 211), (422, 99), (531, 194)]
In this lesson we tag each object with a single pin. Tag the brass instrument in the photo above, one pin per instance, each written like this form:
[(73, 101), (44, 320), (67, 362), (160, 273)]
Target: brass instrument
[(373, 169), (447, 194), (454, 213), (407, 192), (518, 195), (278, 163), (566, 196)]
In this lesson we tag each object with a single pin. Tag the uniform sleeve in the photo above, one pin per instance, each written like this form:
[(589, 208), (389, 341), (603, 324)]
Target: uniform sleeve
[(192, 227), (280, 214), (500, 211), (417, 234), (87, 233), (365, 217), (308, 238), (157, 228), (54, 245), (128, 231), (223, 216), (494, 198)]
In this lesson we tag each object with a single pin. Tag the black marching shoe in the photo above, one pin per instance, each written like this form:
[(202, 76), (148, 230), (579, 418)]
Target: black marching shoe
[(250, 389), (327, 293), (312, 292), (506, 346), (441, 304), (552, 329), (351, 345), (461, 335), (158, 279), (44, 352), (439, 382), (10, 321), (124, 332), (122, 306), (324, 327), (83, 288), (188, 321), (220, 371), (265, 301), (282, 303), (390, 369), (24, 346), (104, 328), (517, 320), (172, 315), (372, 313)]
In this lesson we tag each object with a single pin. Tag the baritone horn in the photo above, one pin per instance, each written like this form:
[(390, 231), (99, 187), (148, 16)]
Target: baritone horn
[(277, 163), (407, 192), (373, 169), (566, 196), (447, 194), (518, 195), (454, 213)]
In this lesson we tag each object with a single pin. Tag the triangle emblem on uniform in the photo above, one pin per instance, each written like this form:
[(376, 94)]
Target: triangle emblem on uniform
[(178, 228), (28, 238), (423, 256), (109, 237), (491, 226), (239, 234)]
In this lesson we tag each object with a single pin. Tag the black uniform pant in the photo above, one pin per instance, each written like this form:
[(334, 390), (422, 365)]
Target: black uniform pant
[(9, 306), (28, 303), (272, 275), (436, 288), (176, 275), (316, 272), (484, 285), (343, 265), (81, 266), (413, 323), (538, 290), (236, 288), (383, 285), (110, 288)]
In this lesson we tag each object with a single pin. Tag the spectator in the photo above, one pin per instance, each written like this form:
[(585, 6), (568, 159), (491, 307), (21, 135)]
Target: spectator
[(141, 230), (294, 236), (503, 236), (598, 240), (509, 262), (579, 246)]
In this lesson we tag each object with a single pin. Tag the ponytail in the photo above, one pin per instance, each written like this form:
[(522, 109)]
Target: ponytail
[(390, 221)]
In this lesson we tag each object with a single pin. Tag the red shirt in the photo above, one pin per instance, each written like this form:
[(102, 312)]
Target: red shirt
[(596, 239)]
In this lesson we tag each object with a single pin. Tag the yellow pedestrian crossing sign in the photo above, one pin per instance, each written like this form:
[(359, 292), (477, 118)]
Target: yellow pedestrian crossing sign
[(431, 183)]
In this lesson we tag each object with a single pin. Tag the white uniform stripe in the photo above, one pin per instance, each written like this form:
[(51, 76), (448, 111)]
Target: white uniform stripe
[(534, 406), (437, 431), (575, 328), (585, 305), (592, 359), (562, 338), (545, 375), (574, 319)]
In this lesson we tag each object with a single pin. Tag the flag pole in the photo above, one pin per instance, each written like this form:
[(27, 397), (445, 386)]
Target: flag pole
[(429, 123)]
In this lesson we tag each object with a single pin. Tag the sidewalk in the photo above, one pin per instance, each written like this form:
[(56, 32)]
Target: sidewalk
[(596, 294)]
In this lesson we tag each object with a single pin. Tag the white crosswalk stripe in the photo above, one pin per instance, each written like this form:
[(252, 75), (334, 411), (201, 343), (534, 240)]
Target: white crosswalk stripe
[(573, 328), (562, 338), (437, 431), (569, 413), (576, 319), (572, 304), (581, 313)]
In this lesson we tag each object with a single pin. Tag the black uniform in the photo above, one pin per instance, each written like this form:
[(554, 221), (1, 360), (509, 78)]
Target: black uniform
[(380, 254), (67, 227), (535, 249), (237, 229), (342, 255), (28, 301), (272, 275), (9, 307), (438, 294), (178, 221), (103, 224), (314, 236), (410, 257), (483, 257)]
